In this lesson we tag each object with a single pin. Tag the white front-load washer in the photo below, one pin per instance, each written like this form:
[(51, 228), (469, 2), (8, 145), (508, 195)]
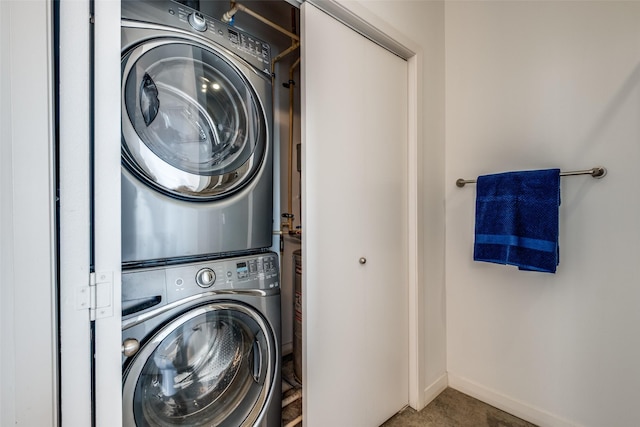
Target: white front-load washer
[(196, 136), (202, 344)]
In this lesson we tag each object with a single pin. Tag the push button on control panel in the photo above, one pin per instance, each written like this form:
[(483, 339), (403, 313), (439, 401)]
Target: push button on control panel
[(205, 277)]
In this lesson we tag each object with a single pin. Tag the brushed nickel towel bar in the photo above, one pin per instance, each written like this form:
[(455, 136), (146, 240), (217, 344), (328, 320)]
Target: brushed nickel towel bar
[(597, 172)]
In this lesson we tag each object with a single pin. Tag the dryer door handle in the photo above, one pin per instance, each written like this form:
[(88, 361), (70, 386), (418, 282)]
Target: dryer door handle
[(257, 361)]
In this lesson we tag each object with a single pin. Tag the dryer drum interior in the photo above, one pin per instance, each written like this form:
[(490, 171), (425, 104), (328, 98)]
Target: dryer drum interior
[(210, 366), (192, 125)]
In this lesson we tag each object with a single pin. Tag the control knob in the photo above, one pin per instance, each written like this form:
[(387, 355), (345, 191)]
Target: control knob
[(205, 278), (197, 21)]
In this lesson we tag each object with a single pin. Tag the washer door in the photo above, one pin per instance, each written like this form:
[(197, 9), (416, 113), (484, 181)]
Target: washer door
[(192, 125), (213, 365)]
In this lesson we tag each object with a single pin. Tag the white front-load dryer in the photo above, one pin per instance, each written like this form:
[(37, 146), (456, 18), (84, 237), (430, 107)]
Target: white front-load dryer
[(201, 344), (196, 136)]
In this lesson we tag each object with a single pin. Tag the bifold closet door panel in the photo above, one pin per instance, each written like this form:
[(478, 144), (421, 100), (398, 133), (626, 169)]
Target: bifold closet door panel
[(354, 102)]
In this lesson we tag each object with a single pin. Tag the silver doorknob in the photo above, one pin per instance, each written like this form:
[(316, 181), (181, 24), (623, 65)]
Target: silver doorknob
[(130, 346), (362, 260)]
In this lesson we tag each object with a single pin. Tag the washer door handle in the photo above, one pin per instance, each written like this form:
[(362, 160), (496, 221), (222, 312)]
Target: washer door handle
[(131, 307)]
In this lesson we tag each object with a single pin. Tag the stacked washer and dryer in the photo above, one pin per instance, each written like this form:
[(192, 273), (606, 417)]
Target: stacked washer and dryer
[(200, 287)]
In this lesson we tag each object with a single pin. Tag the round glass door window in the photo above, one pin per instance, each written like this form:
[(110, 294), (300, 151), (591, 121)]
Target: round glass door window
[(211, 366), (192, 125)]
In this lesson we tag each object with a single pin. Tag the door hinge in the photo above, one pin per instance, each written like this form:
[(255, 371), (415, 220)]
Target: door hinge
[(97, 296)]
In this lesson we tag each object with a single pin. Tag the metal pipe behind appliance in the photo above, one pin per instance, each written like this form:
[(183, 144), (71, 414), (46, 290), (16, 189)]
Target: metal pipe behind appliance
[(295, 43), (290, 166), (235, 7)]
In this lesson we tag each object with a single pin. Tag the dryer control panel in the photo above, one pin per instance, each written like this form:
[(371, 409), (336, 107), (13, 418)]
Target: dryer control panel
[(177, 15), (241, 43)]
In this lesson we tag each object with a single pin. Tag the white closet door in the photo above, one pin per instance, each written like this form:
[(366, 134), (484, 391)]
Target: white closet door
[(355, 209)]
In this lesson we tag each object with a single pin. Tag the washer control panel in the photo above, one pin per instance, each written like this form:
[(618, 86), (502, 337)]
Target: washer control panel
[(248, 273), (147, 288)]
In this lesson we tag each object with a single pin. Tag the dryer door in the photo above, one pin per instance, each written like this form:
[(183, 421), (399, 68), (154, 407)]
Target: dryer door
[(213, 365), (192, 125)]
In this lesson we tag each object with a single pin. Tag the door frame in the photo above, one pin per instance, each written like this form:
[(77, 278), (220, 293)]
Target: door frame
[(89, 166), (74, 212), (364, 22)]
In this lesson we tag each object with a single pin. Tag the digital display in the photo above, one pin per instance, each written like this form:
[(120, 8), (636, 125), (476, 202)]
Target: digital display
[(242, 270), (234, 37)]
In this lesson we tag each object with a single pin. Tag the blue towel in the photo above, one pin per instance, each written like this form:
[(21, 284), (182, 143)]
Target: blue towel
[(517, 219)]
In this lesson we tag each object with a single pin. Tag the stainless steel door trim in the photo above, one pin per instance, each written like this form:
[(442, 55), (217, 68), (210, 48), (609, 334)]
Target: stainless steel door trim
[(136, 150), (130, 376)]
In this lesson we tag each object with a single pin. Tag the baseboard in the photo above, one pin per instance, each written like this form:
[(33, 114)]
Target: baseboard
[(507, 404), (433, 390)]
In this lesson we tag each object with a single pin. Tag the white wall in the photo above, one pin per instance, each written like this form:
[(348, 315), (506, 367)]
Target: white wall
[(281, 134), (422, 23), (28, 371), (537, 85)]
